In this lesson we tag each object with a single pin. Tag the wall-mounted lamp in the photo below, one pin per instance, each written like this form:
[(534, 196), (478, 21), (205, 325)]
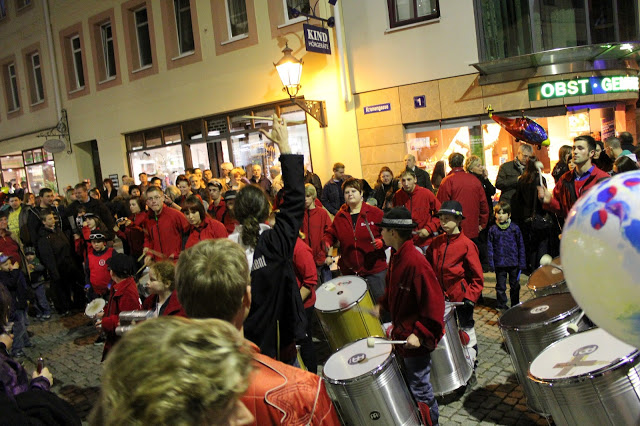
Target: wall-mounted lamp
[(290, 70)]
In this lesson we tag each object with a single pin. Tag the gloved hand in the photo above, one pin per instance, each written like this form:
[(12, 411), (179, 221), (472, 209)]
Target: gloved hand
[(378, 243), (468, 303)]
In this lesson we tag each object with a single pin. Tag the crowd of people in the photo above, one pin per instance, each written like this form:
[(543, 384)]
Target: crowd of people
[(250, 252)]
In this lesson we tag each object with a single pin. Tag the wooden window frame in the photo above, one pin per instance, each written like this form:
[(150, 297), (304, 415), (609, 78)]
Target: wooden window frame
[(98, 54), (71, 77), (131, 46), (394, 23)]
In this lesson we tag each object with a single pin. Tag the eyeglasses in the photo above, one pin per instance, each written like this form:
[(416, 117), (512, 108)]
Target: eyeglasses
[(97, 237), (155, 198)]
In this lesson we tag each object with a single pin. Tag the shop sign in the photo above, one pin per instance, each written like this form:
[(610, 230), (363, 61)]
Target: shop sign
[(377, 108), (316, 39), (582, 87), (419, 101)]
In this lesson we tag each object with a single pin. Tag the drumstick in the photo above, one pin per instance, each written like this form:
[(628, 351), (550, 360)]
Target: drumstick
[(343, 303), (454, 303), (548, 260), (371, 342), (539, 166), (572, 327)]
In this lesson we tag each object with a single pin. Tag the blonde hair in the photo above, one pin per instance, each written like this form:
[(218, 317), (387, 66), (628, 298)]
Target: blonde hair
[(165, 272), (471, 162), (310, 191), (172, 370), (205, 288), (238, 171)]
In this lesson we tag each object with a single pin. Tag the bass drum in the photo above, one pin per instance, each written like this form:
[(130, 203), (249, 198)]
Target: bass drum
[(367, 386), (343, 306)]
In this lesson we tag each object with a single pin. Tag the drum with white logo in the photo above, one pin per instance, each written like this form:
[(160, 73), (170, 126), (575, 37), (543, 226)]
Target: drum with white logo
[(367, 386), (590, 378), (344, 308), (547, 280), (530, 327)]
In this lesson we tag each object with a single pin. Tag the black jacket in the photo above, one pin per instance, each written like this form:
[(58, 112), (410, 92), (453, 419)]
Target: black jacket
[(507, 179), (96, 207), (54, 250), (34, 222), (15, 282)]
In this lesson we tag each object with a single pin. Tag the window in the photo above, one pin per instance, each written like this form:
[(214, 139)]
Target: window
[(76, 55), (14, 95), (299, 5), (108, 50), (405, 12), (182, 9), (142, 37), (237, 18), (3, 9), (35, 79)]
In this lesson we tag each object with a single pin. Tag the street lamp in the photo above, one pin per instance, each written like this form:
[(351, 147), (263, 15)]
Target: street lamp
[(290, 70)]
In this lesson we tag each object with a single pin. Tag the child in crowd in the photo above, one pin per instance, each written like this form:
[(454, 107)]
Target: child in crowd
[(37, 278), (163, 299), (13, 280), (506, 255), (456, 262), (95, 265), (315, 223)]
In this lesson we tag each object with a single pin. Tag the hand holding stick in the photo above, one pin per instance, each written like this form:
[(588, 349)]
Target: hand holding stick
[(279, 134)]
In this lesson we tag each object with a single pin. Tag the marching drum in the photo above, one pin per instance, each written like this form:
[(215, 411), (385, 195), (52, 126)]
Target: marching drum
[(590, 378), (344, 307), (547, 279), (367, 386), (530, 327), (450, 369)]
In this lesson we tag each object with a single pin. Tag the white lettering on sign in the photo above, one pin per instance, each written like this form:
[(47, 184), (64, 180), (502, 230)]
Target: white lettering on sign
[(377, 108), (317, 35)]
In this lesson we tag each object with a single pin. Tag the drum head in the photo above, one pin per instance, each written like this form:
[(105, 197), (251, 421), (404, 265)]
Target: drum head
[(587, 353), (538, 310), (545, 276), (356, 360), (340, 293)]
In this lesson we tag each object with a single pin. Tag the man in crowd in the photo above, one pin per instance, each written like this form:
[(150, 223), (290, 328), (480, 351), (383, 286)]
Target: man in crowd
[(18, 217), (34, 217), (422, 177), (90, 205), (332, 195), (164, 230), (276, 391), (509, 173), (144, 182), (613, 147), (575, 182), (217, 206), (225, 172), (626, 142), (155, 181), (466, 189), (258, 179), (207, 175)]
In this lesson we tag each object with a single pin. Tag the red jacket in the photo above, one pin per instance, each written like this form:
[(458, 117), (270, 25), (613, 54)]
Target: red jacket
[(227, 219), (208, 229), (172, 307), (456, 262), (305, 269), (466, 189), (165, 231), (284, 395), (358, 254), (414, 298), (216, 212), (314, 224), (565, 194), (423, 206), (134, 233), (10, 247), (123, 297), (99, 276)]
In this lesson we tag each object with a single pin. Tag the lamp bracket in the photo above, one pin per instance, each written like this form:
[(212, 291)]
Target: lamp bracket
[(316, 109), (331, 22), (61, 130)]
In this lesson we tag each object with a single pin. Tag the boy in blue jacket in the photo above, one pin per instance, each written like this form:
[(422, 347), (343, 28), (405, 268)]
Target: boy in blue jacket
[(506, 255)]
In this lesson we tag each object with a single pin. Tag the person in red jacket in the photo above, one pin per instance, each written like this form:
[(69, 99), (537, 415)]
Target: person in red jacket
[(95, 265), (415, 301), (307, 278), (227, 217), (131, 229), (456, 262), (123, 296), (422, 205), (164, 227), (8, 245), (315, 223), (466, 189), (217, 205), (575, 182), (203, 227), (163, 299), (362, 254)]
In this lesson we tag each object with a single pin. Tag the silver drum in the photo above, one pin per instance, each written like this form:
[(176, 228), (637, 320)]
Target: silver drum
[(547, 280), (529, 327), (367, 386), (589, 378), (450, 369)]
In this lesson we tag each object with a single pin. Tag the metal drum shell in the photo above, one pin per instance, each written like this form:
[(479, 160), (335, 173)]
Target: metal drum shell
[(542, 281), (449, 367), (526, 341)]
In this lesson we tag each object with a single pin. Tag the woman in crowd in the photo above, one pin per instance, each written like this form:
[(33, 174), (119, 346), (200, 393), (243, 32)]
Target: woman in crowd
[(438, 174), (203, 226), (601, 159), (29, 199), (624, 164), (131, 230), (384, 184), (562, 166), (473, 165), (163, 299), (108, 192), (185, 191)]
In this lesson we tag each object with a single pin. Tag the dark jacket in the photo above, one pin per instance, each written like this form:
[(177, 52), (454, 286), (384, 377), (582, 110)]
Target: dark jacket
[(332, 196), (263, 183), (34, 223), (489, 192), (380, 192), (16, 283), (96, 207), (507, 179), (559, 169), (54, 251), (23, 217), (14, 378), (505, 247), (422, 178), (525, 201)]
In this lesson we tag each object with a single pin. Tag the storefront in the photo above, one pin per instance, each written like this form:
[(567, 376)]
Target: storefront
[(35, 166)]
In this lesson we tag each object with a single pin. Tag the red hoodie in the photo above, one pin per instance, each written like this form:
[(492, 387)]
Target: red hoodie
[(208, 229), (314, 224), (466, 189), (359, 256), (165, 231), (305, 269), (423, 205), (123, 297), (134, 233)]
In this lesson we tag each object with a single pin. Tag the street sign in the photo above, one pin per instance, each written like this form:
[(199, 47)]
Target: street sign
[(316, 39)]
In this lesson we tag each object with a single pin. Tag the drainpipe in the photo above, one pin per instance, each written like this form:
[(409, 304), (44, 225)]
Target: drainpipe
[(52, 59), (344, 84)]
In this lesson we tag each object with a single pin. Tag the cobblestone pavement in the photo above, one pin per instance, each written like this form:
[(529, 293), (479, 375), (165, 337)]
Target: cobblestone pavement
[(67, 346)]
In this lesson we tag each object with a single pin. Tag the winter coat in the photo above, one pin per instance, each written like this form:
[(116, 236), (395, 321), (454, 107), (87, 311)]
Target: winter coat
[(314, 224), (96, 207), (305, 269), (170, 307), (16, 283), (508, 175), (423, 179), (525, 201), (134, 233), (564, 193), (122, 297), (423, 206), (263, 183), (468, 191), (208, 229), (54, 251), (381, 190), (164, 232), (505, 247), (332, 196), (14, 378)]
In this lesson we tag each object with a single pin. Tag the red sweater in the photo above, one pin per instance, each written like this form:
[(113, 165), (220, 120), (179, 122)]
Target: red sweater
[(99, 275), (172, 307), (466, 189), (208, 229), (358, 254), (217, 211), (134, 233), (456, 262), (305, 269), (314, 224), (414, 298), (423, 205), (567, 190), (10, 247), (165, 231), (123, 297)]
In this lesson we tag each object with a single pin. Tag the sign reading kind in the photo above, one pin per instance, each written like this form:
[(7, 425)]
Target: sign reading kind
[(582, 87), (316, 39)]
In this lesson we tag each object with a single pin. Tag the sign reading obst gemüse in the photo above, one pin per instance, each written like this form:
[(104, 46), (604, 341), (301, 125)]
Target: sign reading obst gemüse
[(582, 87)]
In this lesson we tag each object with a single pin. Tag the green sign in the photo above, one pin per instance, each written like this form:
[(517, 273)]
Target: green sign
[(582, 87)]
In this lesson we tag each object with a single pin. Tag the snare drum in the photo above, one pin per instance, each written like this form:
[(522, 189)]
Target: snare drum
[(547, 280), (344, 307), (450, 369), (530, 327), (590, 378), (367, 386)]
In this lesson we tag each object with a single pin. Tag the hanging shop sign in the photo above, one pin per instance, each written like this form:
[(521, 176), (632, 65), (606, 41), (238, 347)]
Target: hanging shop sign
[(377, 108), (582, 87), (316, 39)]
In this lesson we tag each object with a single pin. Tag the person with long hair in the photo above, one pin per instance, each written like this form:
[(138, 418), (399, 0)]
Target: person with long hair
[(203, 226), (562, 166), (108, 192), (131, 229), (438, 174), (276, 318), (624, 164), (384, 185), (601, 159)]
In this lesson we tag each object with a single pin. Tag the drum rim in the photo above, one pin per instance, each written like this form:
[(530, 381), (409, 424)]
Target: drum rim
[(371, 373), (555, 319), (554, 285), (564, 280), (346, 308)]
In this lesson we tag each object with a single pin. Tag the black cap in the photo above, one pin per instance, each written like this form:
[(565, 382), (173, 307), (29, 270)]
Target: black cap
[(451, 207), (230, 195), (397, 218), (122, 265), (29, 250)]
